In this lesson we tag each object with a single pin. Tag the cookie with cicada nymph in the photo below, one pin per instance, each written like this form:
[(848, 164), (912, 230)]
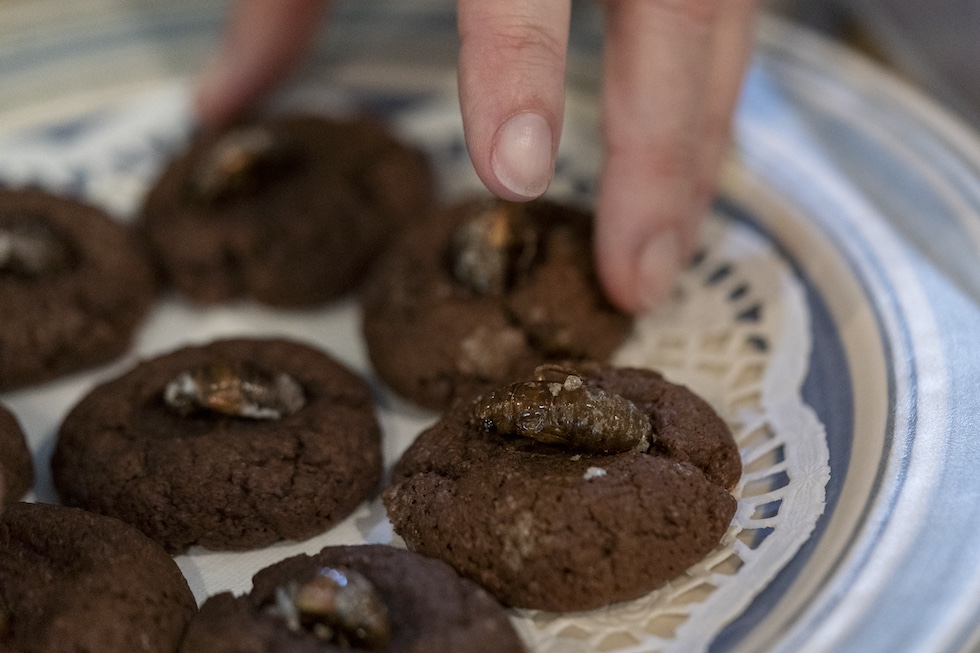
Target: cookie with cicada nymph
[(579, 486)]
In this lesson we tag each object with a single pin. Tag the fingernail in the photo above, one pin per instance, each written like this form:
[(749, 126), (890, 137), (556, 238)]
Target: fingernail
[(660, 263), (521, 156)]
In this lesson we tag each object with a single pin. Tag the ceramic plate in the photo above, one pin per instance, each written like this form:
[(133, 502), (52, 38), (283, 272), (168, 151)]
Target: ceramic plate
[(831, 316)]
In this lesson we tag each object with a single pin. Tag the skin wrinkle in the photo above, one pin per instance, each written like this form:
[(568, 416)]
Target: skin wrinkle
[(518, 40)]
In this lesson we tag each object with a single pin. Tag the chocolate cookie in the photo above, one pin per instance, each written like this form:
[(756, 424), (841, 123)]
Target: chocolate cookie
[(369, 598), (288, 211), (572, 491), (231, 445), (483, 293), (16, 466), (73, 581), (74, 285)]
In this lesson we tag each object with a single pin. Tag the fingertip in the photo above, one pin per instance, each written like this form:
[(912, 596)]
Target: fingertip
[(210, 104), (643, 279), (657, 268), (511, 77)]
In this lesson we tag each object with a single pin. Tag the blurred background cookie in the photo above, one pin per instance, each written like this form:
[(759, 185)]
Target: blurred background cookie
[(16, 466), (481, 294), (75, 581), (289, 211), (570, 491), (231, 445), (74, 286), (366, 598)]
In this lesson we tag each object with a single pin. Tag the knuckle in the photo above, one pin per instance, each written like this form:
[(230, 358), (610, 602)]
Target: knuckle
[(529, 43), (671, 161)]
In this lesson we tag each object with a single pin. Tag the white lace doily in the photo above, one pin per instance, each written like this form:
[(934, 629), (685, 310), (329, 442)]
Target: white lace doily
[(737, 333)]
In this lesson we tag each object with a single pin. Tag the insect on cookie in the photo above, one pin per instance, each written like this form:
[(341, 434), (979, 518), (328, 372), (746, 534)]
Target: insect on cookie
[(289, 211), (481, 294), (74, 286), (16, 466), (364, 598), (575, 488), (231, 445), (74, 581)]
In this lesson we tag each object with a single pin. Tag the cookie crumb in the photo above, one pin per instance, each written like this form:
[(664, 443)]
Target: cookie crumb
[(593, 472), (572, 382)]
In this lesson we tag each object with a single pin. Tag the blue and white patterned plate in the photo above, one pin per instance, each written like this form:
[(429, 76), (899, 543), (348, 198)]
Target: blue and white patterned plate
[(860, 196)]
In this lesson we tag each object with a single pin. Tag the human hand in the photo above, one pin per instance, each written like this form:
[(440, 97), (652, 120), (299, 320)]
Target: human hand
[(265, 41), (672, 71)]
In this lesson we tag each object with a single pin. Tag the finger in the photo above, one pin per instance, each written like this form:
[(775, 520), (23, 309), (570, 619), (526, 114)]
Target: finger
[(655, 70), (731, 48), (512, 90), (264, 42)]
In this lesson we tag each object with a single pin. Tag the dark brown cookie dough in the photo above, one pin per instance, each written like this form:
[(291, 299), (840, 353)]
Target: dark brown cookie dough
[(16, 466), (554, 527), (439, 325), (74, 286), (298, 225), (426, 606), (219, 480), (74, 581)]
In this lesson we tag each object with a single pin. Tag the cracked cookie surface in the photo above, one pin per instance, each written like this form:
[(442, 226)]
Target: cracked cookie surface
[(219, 480), (429, 607), (432, 338), (547, 527), (73, 581)]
